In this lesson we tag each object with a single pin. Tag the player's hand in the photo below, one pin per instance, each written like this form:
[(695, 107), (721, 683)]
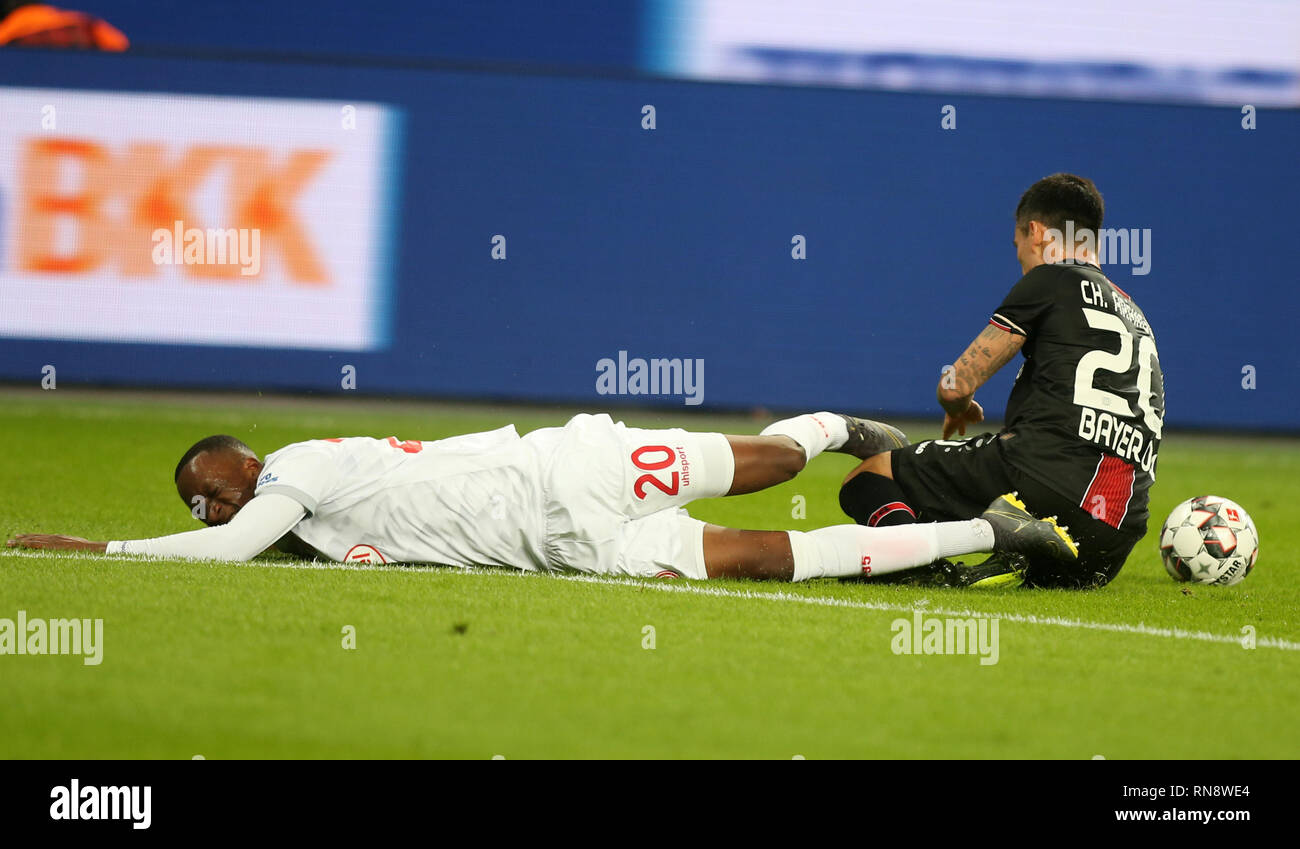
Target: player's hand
[(973, 414), (55, 542)]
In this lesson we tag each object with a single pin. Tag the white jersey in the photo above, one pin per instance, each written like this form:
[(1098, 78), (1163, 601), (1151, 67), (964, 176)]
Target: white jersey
[(592, 496), (465, 501)]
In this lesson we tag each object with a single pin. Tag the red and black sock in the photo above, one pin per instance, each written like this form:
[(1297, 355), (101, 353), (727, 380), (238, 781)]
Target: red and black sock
[(876, 501)]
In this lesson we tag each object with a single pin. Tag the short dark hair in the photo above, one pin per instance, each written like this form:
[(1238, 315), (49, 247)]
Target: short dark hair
[(220, 442), (1059, 198)]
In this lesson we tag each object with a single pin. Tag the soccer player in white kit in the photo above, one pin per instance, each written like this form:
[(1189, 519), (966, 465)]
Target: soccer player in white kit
[(593, 496)]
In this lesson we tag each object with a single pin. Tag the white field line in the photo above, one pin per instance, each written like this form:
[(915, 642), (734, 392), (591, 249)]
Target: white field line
[(681, 586)]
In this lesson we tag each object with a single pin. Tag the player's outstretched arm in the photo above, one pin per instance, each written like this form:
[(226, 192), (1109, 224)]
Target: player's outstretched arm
[(55, 542), (255, 528), (991, 350)]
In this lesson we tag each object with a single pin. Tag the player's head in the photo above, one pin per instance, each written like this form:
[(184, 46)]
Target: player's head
[(1053, 207), (216, 477)]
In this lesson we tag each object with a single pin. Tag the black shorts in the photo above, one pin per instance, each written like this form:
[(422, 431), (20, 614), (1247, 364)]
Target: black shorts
[(950, 480)]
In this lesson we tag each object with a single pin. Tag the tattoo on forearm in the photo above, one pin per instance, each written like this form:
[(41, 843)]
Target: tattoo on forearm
[(991, 350)]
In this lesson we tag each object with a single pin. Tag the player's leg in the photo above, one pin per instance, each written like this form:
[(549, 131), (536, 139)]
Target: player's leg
[(852, 550), (670, 468), (808, 435), (837, 551), (785, 447), (870, 495), (671, 543), (759, 462), (948, 480), (933, 481)]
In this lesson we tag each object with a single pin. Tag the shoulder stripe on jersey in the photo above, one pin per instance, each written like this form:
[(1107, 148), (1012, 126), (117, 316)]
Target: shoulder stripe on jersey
[(1001, 322)]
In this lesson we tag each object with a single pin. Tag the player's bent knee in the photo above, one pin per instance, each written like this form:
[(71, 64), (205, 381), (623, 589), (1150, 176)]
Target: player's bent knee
[(878, 464), (779, 454), (763, 461), (791, 460)]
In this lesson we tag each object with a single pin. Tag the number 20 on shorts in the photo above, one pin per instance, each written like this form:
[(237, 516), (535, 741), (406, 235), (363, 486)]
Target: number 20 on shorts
[(660, 457)]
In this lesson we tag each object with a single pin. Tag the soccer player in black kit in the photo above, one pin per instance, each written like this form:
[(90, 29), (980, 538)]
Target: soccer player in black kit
[(1083, 421)]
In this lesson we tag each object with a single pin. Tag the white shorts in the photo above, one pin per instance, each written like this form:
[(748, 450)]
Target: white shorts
[(613, 496)]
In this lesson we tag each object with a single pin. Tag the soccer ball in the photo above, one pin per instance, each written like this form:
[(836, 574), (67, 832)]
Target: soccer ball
[(1210, 540)]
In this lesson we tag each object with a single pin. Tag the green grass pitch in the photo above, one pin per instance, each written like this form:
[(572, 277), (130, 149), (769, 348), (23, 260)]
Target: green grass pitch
[(247, 660)]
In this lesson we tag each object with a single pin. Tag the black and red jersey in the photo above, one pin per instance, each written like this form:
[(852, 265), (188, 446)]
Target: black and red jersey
[(1086, 413)]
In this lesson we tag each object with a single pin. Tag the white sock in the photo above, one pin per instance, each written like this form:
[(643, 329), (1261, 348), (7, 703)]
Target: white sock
[(841, 551), (964, 537), (815, 432)]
